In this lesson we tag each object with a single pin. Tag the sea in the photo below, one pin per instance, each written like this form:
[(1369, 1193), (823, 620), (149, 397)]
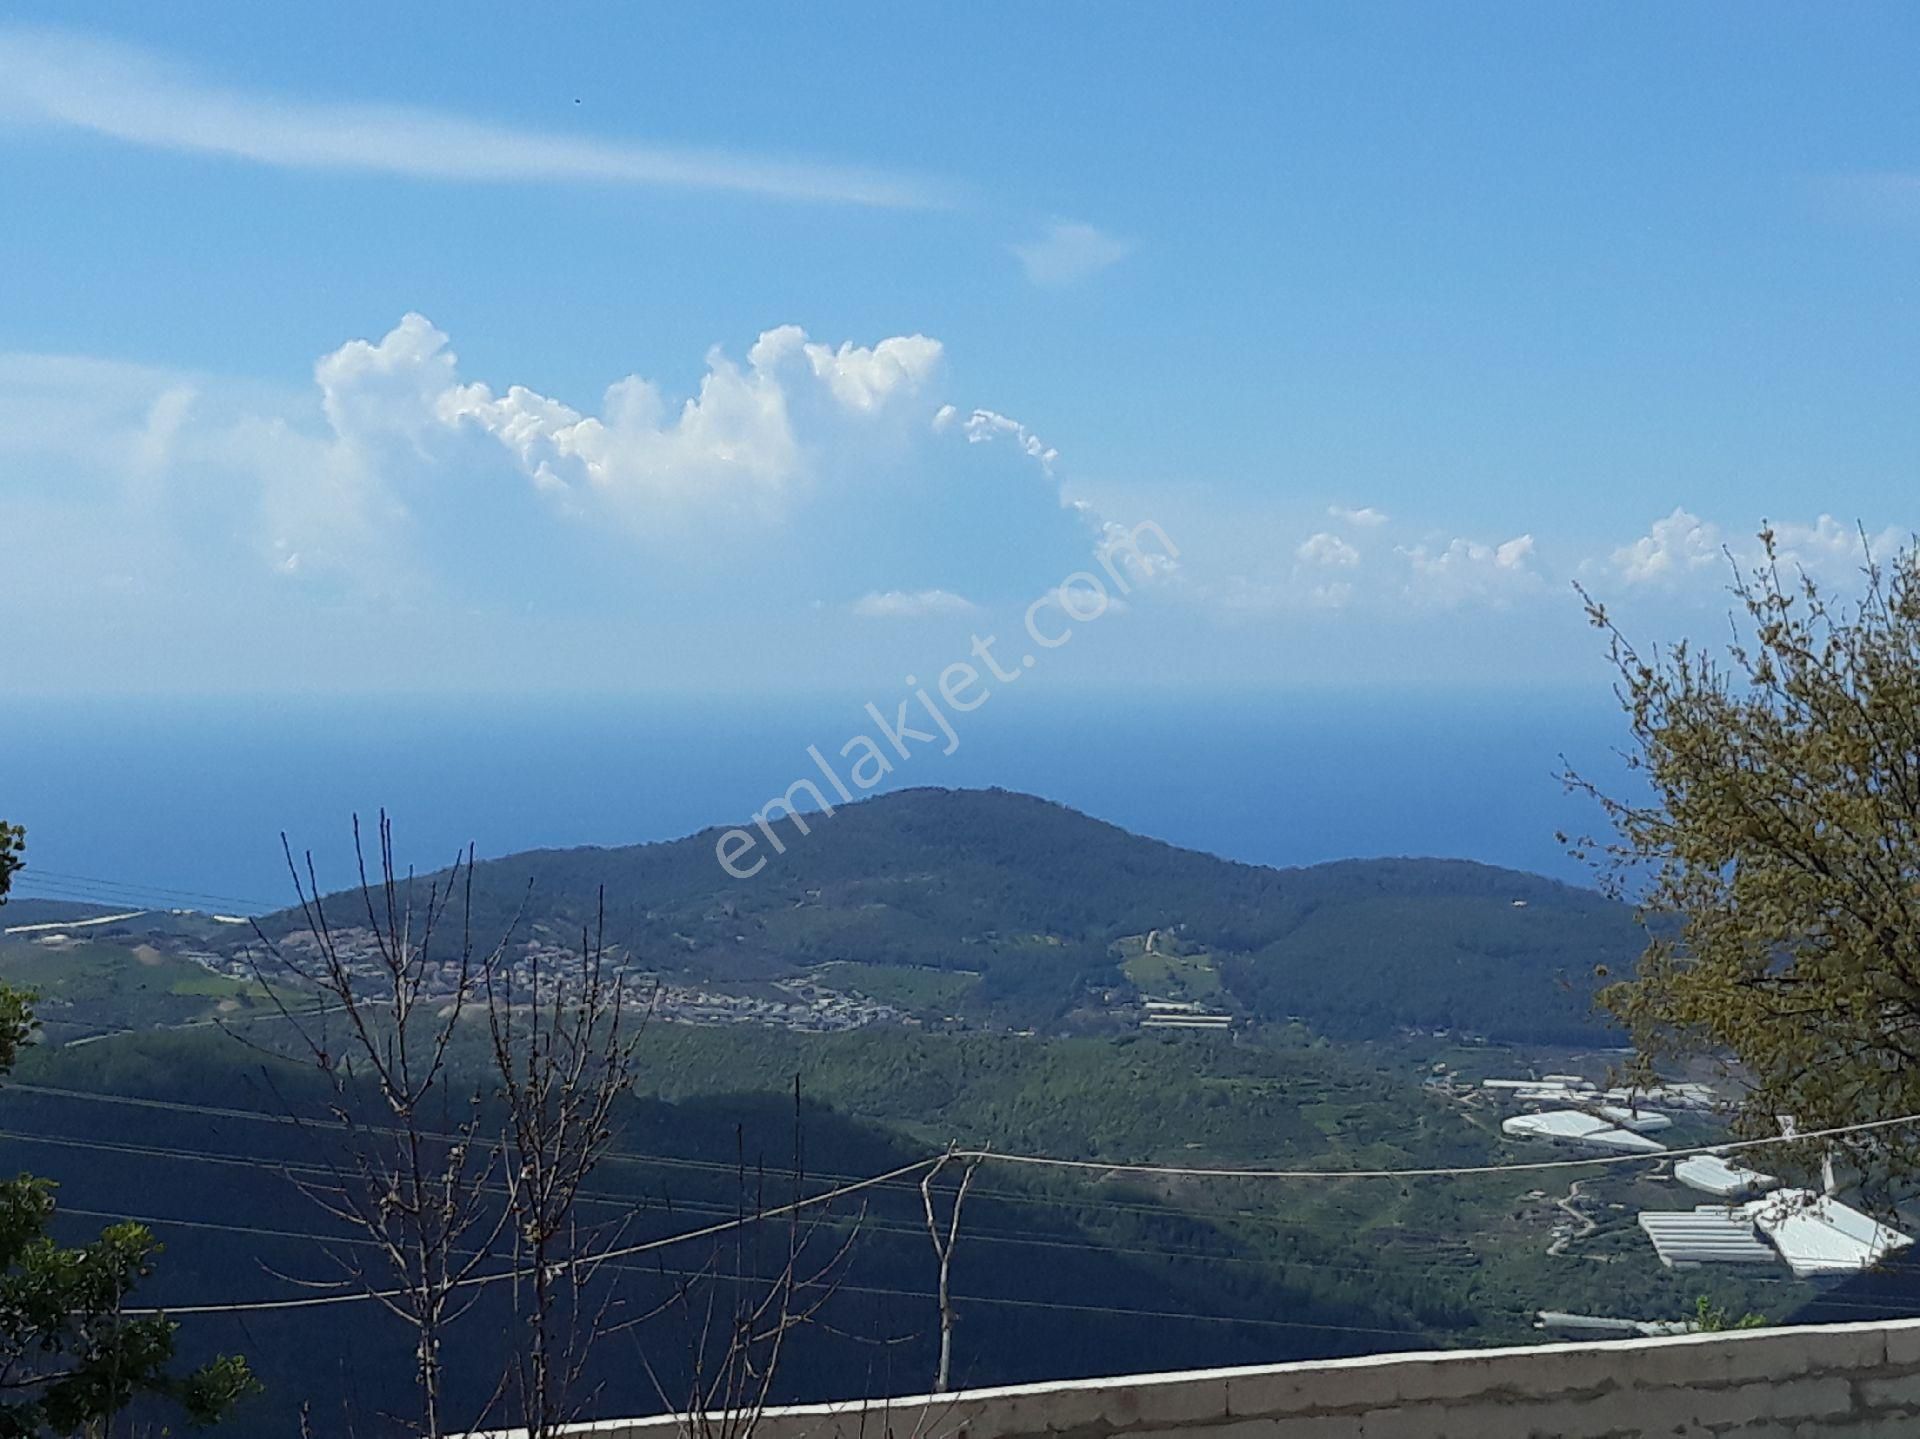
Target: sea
[(184, 802)]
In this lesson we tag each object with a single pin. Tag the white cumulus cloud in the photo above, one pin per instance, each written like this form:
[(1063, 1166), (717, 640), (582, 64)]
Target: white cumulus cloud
[(1682, 552), (741, 443), (1366, 517), (914, 604), (389, 386), (986, 426), (862, 378), (1674, 547), (802, 468), (1068, 251), (1328, 549), (1833, 550), (1466, 571)]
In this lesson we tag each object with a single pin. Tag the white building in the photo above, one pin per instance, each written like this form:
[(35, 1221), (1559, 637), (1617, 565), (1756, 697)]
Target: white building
[(1817, 1234), (1640, 1121), (1706, 1234), (1710, 1174), (1580, 1130)]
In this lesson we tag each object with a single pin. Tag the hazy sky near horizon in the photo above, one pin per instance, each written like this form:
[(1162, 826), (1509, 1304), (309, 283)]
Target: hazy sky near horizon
[(621, 349)]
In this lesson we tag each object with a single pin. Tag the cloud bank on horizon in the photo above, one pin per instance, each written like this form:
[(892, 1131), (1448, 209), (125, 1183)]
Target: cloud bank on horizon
[(804, 477), (398, 473), (1388, 440)]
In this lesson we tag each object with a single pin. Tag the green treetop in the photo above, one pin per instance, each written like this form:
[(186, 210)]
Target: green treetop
[(1775, 847)]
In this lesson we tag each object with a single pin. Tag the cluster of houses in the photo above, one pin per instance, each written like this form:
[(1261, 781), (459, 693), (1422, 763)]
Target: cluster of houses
[(799, 1004)]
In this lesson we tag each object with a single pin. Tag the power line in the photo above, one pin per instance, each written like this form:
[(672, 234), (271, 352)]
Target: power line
[(135, 885), (779, 1211), (1464, 1171), (626, 1251), (33, 873), (1105, 1167), (52, 891), (256, 1116), (1105, 1203), (975, 1233), (901, 1173), (597, 1261), (304, 1236), (1001, 1195)]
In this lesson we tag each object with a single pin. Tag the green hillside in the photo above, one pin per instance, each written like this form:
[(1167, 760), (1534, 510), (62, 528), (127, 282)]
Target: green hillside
[(1061, 1274), (1037, 912), (86, 987)]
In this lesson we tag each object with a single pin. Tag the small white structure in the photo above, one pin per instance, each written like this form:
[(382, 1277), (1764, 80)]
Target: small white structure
[(1187, 1021), (1817, 1234), (1640, 1121), (1581, 1130), (1673, 1096), (1545, 1094), (1181, 1014), (1706, 1234), (1572, 1089), (1564, 1323), (1710, 1174)]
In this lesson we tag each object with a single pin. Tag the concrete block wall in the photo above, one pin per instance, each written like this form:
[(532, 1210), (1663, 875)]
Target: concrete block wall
[(1803, 1383)]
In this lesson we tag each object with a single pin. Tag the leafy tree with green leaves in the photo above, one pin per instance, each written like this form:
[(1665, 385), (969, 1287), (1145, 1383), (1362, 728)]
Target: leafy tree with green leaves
[(13, 843), (1775, 850), (1711, 1318), (70, 1356)]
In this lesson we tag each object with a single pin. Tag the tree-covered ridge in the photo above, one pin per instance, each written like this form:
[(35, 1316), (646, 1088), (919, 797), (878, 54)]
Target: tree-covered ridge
[(1034, 898)]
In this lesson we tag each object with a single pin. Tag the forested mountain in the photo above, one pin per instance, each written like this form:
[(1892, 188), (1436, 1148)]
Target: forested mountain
[(1031, 904)]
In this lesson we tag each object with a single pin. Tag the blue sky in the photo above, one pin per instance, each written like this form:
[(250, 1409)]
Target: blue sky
[(356, 354)]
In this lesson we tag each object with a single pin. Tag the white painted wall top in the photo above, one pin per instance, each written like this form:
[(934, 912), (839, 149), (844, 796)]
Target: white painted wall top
[(1789, 1383)]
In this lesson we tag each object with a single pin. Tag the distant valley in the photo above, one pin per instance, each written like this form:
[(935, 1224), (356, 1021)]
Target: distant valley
[(927, 968)]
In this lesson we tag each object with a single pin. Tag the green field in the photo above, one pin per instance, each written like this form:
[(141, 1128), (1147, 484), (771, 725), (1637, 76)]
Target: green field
[(903, 986), (88, 987), (1170, 969)]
